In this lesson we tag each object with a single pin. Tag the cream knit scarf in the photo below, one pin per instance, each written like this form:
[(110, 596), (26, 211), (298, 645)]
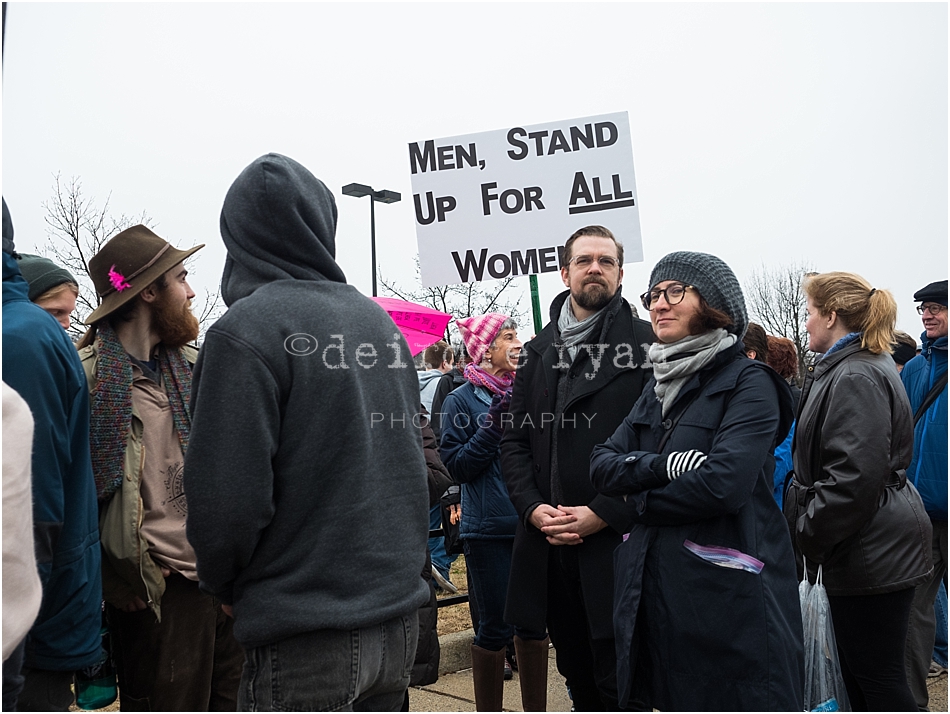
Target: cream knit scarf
[(675, 363)]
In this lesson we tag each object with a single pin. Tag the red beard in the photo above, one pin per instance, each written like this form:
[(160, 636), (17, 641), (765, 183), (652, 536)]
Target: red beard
[(176, 325)]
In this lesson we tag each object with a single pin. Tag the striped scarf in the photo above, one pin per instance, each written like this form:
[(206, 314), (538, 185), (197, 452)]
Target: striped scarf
[(480, 378), (112, 406)]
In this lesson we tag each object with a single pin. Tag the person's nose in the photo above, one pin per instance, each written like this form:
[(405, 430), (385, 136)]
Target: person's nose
[(661, 304), (189, 293)]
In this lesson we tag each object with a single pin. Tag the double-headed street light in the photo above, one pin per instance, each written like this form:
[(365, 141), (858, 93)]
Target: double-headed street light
[(359, 190)]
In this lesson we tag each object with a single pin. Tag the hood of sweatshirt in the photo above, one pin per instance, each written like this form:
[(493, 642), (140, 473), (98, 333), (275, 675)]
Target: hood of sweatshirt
[(15, 286), (278, 223), (430, 375)]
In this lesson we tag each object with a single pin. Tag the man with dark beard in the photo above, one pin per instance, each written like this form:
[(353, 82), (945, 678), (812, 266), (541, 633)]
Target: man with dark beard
[(173, 644), (577, 381)]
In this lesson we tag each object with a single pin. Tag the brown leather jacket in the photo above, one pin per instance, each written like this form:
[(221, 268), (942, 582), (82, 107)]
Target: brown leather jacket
[(850, 506)]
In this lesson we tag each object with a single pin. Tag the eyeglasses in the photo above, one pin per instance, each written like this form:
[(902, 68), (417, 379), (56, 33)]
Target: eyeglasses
[(674, 295), (933, 308), (583, 262)]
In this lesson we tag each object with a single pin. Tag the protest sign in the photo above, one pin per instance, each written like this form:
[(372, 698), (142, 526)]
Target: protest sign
[(502, 203)]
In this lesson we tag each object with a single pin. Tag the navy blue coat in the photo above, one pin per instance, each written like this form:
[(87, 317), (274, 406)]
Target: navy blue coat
[(692, 635), (473, 457), (42, 365)]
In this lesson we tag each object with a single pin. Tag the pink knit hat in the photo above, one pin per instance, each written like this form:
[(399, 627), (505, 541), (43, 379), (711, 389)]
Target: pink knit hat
[(479, 331)]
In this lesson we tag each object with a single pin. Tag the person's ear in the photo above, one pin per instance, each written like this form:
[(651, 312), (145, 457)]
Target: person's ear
[(150, 294)]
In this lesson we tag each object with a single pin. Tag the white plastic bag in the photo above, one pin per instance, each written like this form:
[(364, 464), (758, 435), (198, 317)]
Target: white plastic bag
[(824, 685)]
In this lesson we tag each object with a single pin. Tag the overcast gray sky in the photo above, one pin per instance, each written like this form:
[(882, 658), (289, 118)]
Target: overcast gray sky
[(762, 133)]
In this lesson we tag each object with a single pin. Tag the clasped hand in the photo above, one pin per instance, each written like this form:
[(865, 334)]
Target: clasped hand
[(566, 525)]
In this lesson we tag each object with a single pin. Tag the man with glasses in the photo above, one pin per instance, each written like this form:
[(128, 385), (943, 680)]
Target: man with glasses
[(925, 379), (577, 381)]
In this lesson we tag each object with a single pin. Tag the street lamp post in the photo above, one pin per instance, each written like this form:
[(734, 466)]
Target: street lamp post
[(384, 196)]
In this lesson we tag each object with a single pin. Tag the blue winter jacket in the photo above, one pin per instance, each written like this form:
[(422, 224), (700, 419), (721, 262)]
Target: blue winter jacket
[(783, 464), (42, 365), (473, 456), (928, 469)]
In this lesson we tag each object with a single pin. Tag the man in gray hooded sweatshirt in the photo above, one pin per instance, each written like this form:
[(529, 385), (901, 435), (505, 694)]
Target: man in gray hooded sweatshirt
[(305, 470)]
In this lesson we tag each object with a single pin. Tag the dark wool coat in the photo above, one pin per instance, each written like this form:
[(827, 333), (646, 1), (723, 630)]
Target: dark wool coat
[(600, 397), (693, 635), (850, 506)]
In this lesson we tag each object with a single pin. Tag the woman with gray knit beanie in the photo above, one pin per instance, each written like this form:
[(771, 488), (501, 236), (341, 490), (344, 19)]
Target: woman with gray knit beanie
[(706, 607)]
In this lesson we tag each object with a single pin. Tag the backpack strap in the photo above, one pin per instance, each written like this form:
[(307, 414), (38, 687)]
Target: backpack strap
[(931, 397)]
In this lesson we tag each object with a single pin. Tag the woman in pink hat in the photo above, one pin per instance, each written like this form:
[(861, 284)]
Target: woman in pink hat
[(472, 424)]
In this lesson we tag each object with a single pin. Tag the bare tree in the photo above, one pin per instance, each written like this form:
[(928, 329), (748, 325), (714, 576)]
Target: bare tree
[(463, 300), (777, 302), (77, 229)]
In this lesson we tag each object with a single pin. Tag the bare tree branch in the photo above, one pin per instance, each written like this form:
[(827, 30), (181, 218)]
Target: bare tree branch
[(777, 302)]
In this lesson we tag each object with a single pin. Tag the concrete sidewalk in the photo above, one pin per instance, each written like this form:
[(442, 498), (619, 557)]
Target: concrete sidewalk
[(454, 692)]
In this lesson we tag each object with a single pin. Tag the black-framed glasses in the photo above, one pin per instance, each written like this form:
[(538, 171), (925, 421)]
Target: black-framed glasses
[(931, 307), (674, 295), (607, 262)]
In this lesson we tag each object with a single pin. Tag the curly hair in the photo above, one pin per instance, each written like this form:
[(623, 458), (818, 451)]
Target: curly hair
[(782, 356)]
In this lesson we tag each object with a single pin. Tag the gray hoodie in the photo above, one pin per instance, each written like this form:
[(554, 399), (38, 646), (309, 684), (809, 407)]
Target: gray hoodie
[(428, 381), (305, 476)]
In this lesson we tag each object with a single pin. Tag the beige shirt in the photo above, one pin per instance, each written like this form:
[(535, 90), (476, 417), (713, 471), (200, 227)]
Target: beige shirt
[(162, 487)]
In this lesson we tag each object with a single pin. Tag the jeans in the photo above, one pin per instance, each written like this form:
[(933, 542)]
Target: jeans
[(920, 633), (188, 662), (365, 669), (46, 691), (940, 613), (489, 562), (441, 560), (13, 677)]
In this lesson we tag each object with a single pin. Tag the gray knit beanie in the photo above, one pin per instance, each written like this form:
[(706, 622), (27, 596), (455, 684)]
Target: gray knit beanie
[(714, 280), (42, 274)]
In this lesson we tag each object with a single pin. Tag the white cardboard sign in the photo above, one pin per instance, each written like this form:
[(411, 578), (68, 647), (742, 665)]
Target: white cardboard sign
[(502, 203)]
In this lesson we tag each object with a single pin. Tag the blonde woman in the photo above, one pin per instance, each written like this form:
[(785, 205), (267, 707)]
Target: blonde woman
[(52, 287), (849, 506)]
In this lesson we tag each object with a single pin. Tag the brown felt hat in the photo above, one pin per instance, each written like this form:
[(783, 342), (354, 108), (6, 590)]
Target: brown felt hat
[(126, 265)]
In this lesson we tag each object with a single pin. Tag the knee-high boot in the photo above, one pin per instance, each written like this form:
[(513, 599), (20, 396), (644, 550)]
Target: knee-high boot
[(533, 673), (488, 675)]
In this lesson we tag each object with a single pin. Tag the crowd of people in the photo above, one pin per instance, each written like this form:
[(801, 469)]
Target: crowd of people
[(248, 521)]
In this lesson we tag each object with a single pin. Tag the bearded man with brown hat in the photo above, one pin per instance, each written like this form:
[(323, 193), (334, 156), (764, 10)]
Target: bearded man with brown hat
[(173, 644)]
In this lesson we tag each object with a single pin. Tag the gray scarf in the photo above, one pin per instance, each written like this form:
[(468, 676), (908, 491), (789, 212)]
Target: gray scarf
[(675, 363), (574, 331)]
